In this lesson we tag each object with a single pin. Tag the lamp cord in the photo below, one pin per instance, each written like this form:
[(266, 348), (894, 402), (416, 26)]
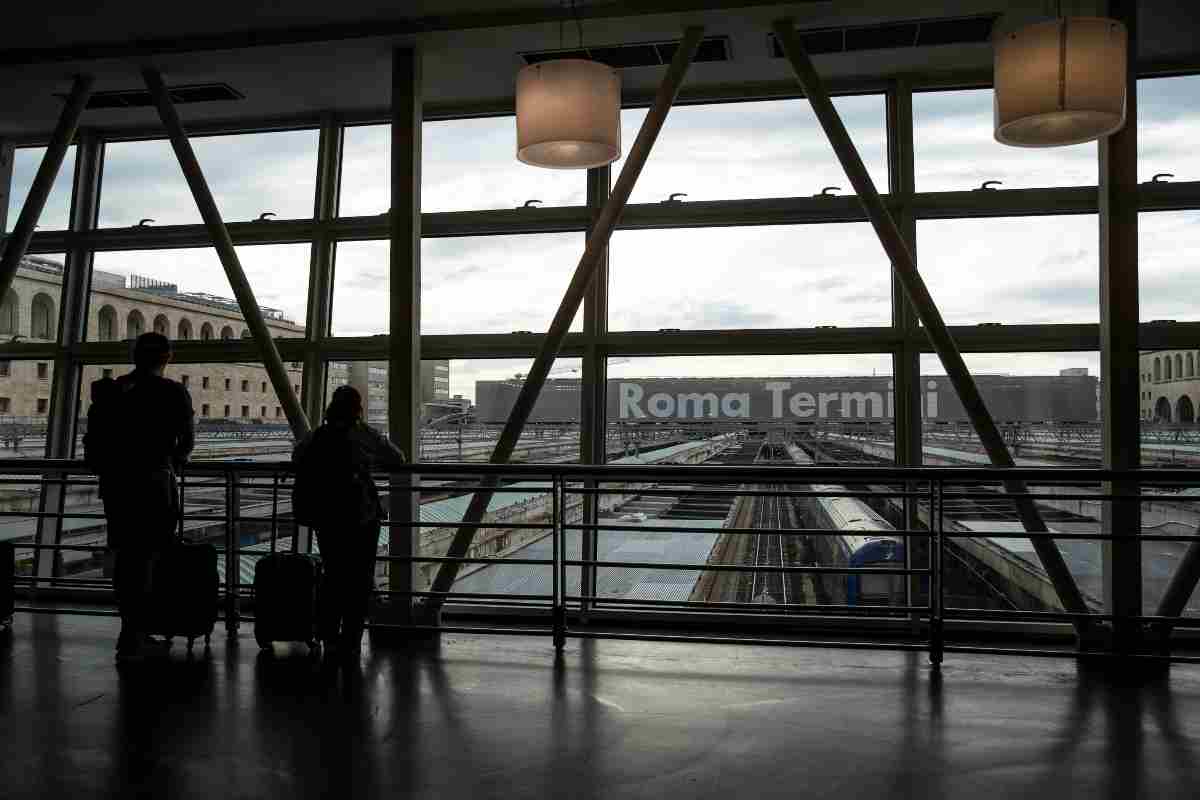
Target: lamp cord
[(578, 23)]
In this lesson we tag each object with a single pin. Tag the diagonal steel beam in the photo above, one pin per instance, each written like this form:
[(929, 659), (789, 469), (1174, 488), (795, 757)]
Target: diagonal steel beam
[(226, 252), (585, 272), (43, 181), (910, 279), (1182, 584)]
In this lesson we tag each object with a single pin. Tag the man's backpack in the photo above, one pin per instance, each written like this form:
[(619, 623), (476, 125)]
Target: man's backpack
[(101, 442), (332, 490)]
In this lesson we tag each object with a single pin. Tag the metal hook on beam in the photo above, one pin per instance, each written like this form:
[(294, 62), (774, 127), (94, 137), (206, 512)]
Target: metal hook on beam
[(989, 186), (1159, 177), (674, 197), (266, 216), (530, 204), (828, 191), (144, 222)]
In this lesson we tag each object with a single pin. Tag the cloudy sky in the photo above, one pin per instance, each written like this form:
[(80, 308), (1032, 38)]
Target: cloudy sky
[(1019, 270)]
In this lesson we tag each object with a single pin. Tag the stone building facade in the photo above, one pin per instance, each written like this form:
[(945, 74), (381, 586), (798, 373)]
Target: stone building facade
[(1170, 386), (123, 307)]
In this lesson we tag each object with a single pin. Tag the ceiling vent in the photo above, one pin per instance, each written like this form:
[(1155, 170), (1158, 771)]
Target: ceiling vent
[(646, 54), (140, 98), (921, 33)]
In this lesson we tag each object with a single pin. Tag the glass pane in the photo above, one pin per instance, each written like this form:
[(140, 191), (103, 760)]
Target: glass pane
[(56, 215), (30, 311), (1168, 249), (1047, 408), (1170, 399), (24, 406), (795, 276), (466, 164), (248, 174), (834, 408), (238, 415), (772, 148), (470, 284), (496, 284), (485, 390), (955, 149), (185, 294), (1168, 118), (1013, 270)]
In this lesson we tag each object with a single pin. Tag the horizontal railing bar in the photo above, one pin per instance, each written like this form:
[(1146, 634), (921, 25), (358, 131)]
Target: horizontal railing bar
[(527, 526), (693, 492), (744, 568), (545, 598), (689, 472), (463, 560), (602, 600), (582, 526)]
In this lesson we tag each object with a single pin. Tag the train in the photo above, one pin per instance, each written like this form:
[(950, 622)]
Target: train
[(863, 541)]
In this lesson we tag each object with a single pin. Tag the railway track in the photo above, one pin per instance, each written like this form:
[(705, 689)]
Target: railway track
[(769, 551)]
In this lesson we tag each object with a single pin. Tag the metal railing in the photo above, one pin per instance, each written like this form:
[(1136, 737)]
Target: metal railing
[(569, 561)]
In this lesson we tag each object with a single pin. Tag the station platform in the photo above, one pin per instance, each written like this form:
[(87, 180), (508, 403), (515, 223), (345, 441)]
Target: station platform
[(468, 716)]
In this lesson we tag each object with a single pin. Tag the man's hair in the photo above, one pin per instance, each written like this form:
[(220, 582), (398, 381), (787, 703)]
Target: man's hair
[(151, 351), (345, 406)]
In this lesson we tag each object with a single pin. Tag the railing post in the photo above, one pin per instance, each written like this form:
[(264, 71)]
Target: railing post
[(558, 608), (233, 506), (937, 596)]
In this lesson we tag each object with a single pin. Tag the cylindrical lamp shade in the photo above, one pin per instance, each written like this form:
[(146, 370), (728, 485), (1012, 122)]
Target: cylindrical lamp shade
[(1060, 82), (568, 114)]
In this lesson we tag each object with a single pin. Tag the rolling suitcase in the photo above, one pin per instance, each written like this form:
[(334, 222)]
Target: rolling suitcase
[(8, 566), (286, 587), (185, 591)]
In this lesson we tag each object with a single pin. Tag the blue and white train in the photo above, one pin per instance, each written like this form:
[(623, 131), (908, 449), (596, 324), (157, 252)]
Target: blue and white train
[(863, 541)]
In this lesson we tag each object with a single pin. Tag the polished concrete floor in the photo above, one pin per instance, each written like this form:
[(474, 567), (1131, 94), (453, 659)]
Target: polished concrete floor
[(474, 717)]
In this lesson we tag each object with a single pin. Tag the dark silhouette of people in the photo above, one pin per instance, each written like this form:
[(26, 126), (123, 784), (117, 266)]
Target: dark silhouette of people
[(338, 457), (140, 433)]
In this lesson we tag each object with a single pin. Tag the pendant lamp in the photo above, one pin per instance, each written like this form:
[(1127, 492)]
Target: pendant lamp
[(568, 114), (1060, 82)]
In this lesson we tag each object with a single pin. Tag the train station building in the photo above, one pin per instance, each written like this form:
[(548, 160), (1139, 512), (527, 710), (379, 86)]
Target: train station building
[(801, 397)]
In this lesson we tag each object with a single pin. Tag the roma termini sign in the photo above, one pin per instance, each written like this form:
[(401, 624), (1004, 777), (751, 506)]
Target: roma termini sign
[(1015, 398)]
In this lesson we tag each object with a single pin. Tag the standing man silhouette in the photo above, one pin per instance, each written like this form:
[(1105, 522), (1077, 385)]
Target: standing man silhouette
[(140, 433)]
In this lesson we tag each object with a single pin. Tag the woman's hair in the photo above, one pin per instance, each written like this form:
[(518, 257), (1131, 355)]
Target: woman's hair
[(346, 406)]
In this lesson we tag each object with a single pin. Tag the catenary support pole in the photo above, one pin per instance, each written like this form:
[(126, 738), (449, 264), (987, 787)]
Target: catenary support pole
[(585, 272), (17, 242), (905, 269), (226, 252)]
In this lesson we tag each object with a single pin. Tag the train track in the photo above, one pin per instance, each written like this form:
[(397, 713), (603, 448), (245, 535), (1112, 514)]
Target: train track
[(769, 551)]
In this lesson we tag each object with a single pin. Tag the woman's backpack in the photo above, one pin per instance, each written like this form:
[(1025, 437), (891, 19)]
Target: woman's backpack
[(332, 488)]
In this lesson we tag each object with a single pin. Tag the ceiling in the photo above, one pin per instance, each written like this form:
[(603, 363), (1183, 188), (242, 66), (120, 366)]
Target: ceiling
[(298, 58)]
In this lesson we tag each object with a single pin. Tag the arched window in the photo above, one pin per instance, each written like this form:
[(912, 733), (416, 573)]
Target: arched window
[(226, 332), (206, 332), (135, 324), (108, 324), (9, 316), (185, 329), (41, 317), (1184, 410), (1162, 410), (1157, 369), (1191, 366), (1178, 366), (162, 325), (1167, 368)]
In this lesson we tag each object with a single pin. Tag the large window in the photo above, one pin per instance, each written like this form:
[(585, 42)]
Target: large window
[(957, 151), (1014, 270), (797, 276), (249, 174), (57, 213), (176, 292)]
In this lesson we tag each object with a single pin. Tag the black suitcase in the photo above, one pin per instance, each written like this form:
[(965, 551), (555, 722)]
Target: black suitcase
[(286, 587), (185, 591), (8, 565)]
